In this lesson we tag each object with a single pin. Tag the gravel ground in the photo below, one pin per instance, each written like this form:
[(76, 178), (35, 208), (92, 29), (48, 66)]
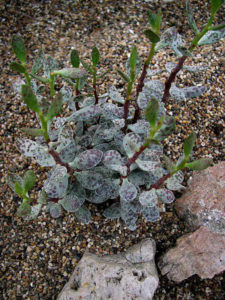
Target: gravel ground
[(38, 257)]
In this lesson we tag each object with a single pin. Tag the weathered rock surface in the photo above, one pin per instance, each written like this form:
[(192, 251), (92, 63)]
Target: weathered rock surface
[(131, 275), (203, 203), (201, 252)]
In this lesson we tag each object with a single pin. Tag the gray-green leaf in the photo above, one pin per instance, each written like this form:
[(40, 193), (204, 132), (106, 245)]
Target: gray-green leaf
[(19, 48)]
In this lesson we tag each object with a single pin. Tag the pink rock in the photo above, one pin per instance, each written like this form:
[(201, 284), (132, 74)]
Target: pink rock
[(203, 203), (201, 252)]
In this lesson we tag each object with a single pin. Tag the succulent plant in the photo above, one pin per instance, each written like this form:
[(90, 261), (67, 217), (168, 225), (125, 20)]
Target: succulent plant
[(110, 146)]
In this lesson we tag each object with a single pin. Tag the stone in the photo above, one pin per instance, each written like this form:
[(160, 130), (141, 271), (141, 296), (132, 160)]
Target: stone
[(201, 252), (203, 203), (125, 276)]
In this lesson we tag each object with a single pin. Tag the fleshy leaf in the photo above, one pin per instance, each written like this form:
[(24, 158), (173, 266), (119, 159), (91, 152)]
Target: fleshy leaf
[(112, 157), (148, 198), (35, 210), (71, 73), (68, 153), (49, 65), (55, 210), (56, 184), (83, 215), (28, 180), (115, 95), (151, 213), (138, 177), (30, 98), (165, 195), (141, 127), (38, 63), (95, 56), (33, 131), (55, 107), (199, 164), (66, 93), (85, 114), (133, 58), (90, 180), (12, 179), (24, 210), (152, 89), (17, 67), (74, 58), (42, 197), (215, 5), (89, 159), (127, 191), (174, 182), (112, 212), (153, 37), (191, 19), (19, 48), (152, 111), (112, 111), (212, 37), (108, 190), (189, 144), (72, 201), (130, 218), (131, 143), (147, 165)]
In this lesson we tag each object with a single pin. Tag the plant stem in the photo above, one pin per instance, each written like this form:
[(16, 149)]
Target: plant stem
[(58, 161), (160, 182), (141, 81), (44, 127), (28, 79), (94, 84), (128, 99), (77, 93), (172, 77)]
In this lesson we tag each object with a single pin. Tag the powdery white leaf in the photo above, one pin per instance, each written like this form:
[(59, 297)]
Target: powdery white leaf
[(104, 147), (170, 66), (108, 190), (68, 153), (153, 72), (71, 202), (83, 215), (17, 84), (131, 143), (112, 157), (49, 65), (33, 149), (12, 179), (35, 210), (79, 128), (85, 114), (194, 91), (212, 37), (151, 213), (89, 159), (195, 69), (112, 212), (55, 210), (152, 153), (119, 123), (129, 217), (138, 177), (115, 95), (88, 102), (112, 111), (152, 89), (141, 127), (38, 63), (148, 198), (85, 141), (90, 180), (67, 94), (134, 206), (56, 184), (174, 182), (165, 195), (59, 122), (147, 165), (127, 191), (42, 197)]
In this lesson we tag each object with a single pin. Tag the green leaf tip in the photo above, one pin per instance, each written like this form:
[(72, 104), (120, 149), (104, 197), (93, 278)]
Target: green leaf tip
[(152, 112), (29, 180), (19, 48), (215, 5), (200, 164), (95, 56), (75, 59), (133, 58), (30, 98), (17, 67), (189, 144), (153, 37)]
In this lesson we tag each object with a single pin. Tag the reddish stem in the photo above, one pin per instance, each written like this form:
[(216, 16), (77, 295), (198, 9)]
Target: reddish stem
[(95, 94), (58, 161), (126, 110), (76, 103), (172, 77), (158, 184)]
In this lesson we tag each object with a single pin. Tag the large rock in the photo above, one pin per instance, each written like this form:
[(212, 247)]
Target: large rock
[(201, 252), (203, 203), (126, 276)]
